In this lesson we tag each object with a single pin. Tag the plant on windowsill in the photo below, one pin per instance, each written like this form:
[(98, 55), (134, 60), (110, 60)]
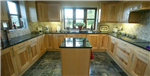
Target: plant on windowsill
[(80, 25)]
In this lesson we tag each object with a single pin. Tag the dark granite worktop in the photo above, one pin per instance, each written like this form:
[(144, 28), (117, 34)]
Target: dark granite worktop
[(137, 42), (19, 39), (75, 43)]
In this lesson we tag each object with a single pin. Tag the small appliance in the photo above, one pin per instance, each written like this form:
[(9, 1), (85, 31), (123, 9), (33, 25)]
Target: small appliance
[(47, 28)]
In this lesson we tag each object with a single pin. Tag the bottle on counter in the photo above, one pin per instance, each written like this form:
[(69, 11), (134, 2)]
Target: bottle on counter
[(14, 25)]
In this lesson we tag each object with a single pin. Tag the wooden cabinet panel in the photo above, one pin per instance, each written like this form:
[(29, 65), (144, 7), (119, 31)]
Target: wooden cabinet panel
[(108, 43), (103, 12), (71, 35), (140, 63), (50, 41), (112, 45), (81, 36), (8, 63), (4, 13), (103, 41), (34, 53), (22, 58), (112, 12), (58, 38), (94, 40), (54, 12), (42, 12)]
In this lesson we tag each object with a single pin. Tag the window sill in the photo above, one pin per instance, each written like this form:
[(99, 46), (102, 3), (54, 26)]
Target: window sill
[(17, 29)]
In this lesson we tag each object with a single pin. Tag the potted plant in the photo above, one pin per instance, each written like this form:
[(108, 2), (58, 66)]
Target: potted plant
[(80, 25)]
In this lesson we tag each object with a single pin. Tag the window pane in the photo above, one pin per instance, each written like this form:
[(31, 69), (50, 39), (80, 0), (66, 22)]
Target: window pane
[(79, 13), (89, 23), (12, 7), (69, 23), (5, 25), (91, 13), (68, 13), (15, 20), (79, 21)]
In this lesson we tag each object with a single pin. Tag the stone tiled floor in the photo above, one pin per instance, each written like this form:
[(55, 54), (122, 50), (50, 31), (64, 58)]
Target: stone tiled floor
[(50, 65)]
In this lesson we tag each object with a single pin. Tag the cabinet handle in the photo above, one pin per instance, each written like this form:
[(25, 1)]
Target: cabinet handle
[(132, 58), (13, 52)]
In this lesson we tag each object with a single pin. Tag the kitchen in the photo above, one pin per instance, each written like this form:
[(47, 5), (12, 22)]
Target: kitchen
[(32, 33)]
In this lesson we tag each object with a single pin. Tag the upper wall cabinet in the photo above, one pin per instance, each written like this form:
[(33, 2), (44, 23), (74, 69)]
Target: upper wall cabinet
[(54, 12), (103, 12), (4, 14), (42, 12)]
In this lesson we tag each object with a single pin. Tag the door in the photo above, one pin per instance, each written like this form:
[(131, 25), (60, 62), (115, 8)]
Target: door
[(8, 63), (58, 38), (81, 36), (140, 63), (33, 51), (54, 12), (94, 40), (103, 41), (42, 12), (4, 15), (50, 41), (22, 58)]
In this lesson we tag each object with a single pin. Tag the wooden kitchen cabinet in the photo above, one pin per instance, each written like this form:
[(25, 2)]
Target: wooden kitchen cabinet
[(140, 63), (50, 41), (42, 12), (108, 43), (104, 12), (54, 12), (34, 52), (58, 38), (4, 13), (112, 45), (71, 35), (124, 53), (112, 12), (103, 41), (94, 40), (22, 55), (81, 36), (8, 62)]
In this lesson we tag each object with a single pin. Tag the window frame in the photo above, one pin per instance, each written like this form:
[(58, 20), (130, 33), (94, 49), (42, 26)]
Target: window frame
[(19, 14), (74, 16)]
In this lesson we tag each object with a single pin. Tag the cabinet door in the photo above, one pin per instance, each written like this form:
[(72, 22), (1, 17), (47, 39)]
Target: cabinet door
[(4, 15), (112, 45), (8, 63), (33, 51), (50, 41), (103, 41), (81, 35), (94, 40), (103, 12), (112, 12), (54, 12), (108, 44), (58, 38), (23, 58), (43, 43), (42, 12), (140, 63), (71, 35)]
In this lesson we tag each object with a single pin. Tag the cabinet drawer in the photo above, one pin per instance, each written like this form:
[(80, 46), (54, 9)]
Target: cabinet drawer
[(32, 40), (20, 45)]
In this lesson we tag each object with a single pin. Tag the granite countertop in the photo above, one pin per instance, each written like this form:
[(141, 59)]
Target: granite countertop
[(75, 43), (19, 39), (137, 42)]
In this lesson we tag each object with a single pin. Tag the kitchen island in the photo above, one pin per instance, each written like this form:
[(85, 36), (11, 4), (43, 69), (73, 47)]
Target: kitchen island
[(75, 56)]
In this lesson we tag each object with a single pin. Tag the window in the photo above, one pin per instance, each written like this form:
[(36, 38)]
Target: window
[(14, 13), (74, 15)]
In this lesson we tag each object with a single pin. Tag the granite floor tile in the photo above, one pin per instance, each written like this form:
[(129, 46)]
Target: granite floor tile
[(50, 65)]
